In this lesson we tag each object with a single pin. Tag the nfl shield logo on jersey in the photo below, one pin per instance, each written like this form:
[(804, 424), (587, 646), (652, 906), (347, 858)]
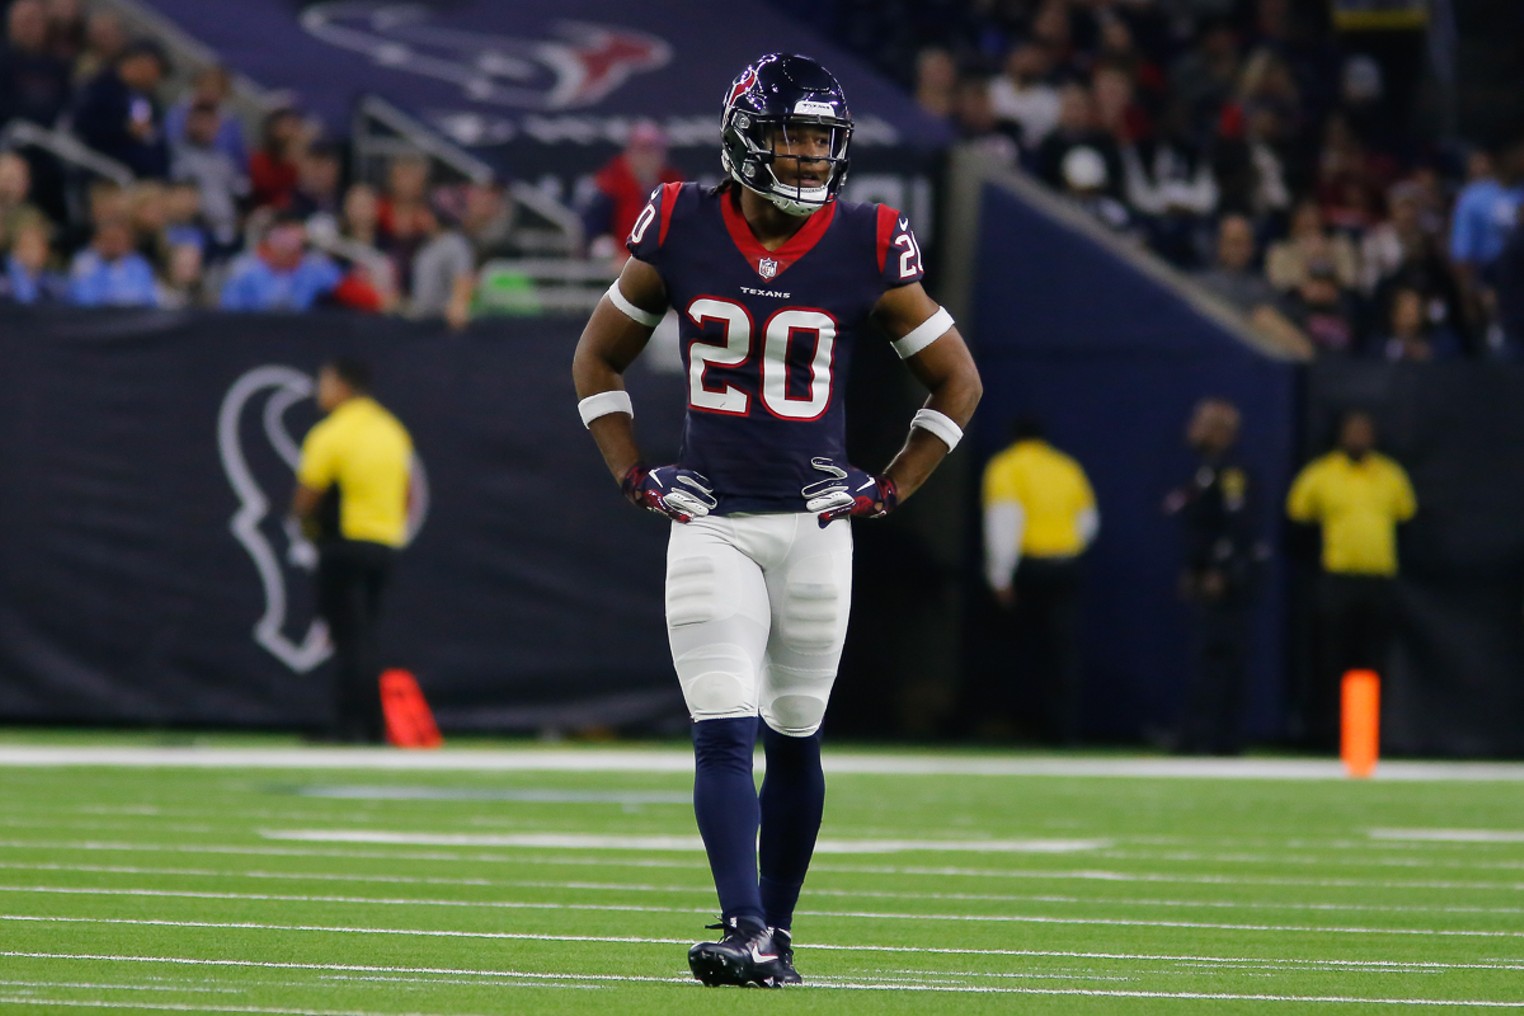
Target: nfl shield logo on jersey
[(767, 267)]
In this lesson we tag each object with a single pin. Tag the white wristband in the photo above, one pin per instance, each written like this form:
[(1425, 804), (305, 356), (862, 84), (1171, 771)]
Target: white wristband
[(613, 401), (938, 425), (634, 313), (924, 334)]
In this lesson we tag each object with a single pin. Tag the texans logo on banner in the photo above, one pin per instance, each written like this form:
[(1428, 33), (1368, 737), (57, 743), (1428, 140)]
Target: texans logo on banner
[(260, 452), (585, 64)]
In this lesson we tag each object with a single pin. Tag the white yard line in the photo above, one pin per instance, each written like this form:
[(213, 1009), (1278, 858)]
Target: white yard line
[(1467, 836), (680, 760), (118, 1005), (588, 841), (1417, 966), (704, 892), (606, 862), (829, 984), (1111, 922)]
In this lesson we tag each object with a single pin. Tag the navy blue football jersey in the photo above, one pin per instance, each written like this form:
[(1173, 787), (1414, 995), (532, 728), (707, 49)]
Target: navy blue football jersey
[(767, 336)]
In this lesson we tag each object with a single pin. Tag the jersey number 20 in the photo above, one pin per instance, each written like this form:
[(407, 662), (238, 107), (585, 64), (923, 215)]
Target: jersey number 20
[(783, 328)]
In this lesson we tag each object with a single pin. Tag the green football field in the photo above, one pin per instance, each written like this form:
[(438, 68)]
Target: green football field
[(248, 875)]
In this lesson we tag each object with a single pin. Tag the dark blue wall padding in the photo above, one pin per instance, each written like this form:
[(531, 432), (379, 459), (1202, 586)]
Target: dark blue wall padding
[(1112, 361)]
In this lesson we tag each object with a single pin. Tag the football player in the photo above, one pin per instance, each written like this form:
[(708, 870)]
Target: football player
[(774, 280)]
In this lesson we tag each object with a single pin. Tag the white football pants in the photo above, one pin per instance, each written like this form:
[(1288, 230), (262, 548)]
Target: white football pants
[(756, 615)]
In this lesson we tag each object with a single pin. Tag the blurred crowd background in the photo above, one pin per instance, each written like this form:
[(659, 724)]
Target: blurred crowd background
[(1295, 169)]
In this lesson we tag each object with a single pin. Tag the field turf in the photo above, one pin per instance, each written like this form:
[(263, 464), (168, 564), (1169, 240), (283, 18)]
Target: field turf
[(252, 876)]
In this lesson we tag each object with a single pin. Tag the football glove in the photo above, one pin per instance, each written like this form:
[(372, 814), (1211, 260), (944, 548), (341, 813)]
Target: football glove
[(677, 493), (847, 490)]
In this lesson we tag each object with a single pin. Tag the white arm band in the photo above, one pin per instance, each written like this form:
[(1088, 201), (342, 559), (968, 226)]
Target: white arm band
[(613, 401), (938, 425), (924, 334), (634, 313)]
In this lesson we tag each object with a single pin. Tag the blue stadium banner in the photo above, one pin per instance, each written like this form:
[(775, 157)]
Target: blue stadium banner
[(146, 574)]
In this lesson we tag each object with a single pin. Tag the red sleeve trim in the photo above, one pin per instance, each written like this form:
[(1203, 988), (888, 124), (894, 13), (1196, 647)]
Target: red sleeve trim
[(886, 220), (668, 203)]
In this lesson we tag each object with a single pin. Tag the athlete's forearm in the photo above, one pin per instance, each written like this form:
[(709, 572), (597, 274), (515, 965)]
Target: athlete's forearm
[(954, 396)]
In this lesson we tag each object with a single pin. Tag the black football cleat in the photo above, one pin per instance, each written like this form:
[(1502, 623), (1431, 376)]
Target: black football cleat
[(745, 955), (783, 945)]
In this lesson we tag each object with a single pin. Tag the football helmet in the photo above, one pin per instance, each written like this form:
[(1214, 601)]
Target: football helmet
[(778, 94)]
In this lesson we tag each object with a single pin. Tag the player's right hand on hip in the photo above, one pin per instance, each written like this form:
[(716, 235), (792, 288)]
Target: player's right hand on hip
[(678, 493), (846, 490)]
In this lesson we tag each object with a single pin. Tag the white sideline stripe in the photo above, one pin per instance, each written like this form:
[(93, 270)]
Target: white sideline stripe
[(1315, 860), (629, 887), (578, 841), (1039, 874), (1109, 922), (186, 1007), (666, 760), (1450, 835), (823, 984), (1225, 961)]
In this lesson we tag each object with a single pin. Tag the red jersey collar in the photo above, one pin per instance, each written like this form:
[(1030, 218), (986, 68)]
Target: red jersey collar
[(766, 263)]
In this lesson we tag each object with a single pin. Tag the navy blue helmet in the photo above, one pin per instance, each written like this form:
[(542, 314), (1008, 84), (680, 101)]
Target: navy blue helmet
[(780, 93)]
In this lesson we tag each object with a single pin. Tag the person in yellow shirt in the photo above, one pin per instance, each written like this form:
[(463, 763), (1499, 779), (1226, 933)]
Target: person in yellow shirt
[(1357, 497), (352, 494), (1039, 516)]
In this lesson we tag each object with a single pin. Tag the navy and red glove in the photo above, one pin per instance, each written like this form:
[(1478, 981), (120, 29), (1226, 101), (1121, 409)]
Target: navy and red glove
[(677, 493), (846, 490)]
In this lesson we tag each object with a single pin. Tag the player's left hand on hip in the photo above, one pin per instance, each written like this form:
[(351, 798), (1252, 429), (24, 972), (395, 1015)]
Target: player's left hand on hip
[(846, 490), (678, 493)]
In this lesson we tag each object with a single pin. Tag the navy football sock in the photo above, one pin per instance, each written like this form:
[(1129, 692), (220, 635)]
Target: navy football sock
[(725, 804), (793, 797)]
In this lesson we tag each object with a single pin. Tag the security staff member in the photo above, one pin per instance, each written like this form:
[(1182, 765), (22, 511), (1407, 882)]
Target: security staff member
[(352, 490), (1358, 497), (1221, 554), (1039, 516)]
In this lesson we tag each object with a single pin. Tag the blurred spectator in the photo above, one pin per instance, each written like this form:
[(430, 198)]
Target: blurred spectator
[(317, 181), (118, 114), (210, 87), (1203, 79), (444, 276), (1234, 278), (360, 220), (273, 167), (936, 78), (105, 42), (974, 117), (623, 186), (1086, 183), (219, 180), (109, 273), (1024, 97), (1357, 497), (182, 217), (1309, 240), (35, 85), (1485, 213), (405, 218), (1117, 111), (15, 189), (488, 221), (1324, 311), (1408, 336), (184, 282), (28, 278), (66, 29), (1508, 274), (1169, 180), (149, 213), (1077, 128), (281, 274), (1372, 119)]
